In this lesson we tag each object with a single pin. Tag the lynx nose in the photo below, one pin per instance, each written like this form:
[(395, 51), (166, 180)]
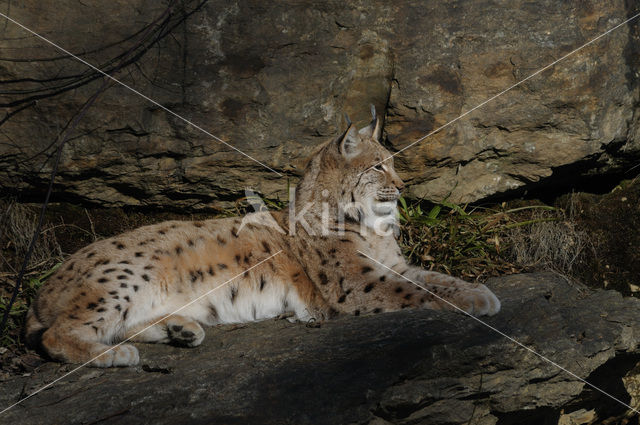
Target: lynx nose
[(396, 180)]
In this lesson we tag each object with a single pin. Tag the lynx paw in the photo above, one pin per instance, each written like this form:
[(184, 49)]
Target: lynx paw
[(120, 355), (478, 301), (184, 332)]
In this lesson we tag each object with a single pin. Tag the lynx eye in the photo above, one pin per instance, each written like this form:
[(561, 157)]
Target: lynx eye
[(378, 167)]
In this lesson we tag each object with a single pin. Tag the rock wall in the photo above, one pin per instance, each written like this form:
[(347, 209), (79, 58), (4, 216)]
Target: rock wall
[(273, 79)]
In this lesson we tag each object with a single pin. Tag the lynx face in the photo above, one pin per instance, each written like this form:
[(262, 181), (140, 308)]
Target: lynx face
[(377, 186), (377, 193)]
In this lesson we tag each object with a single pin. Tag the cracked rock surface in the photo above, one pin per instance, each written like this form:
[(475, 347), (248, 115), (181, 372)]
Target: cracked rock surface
[(275, 80), (410, 367)]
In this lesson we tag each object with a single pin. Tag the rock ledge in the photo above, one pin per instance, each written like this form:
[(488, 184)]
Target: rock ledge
[(408, 367)]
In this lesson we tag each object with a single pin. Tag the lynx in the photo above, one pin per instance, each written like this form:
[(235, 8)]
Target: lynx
[(162, 283)]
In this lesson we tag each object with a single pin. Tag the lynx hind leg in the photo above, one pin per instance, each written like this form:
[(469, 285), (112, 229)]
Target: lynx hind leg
[(473, 298), (65, 342), (176, 329), (34, 329)]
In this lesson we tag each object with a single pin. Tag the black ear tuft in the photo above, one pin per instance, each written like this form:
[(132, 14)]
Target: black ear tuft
[(346, 118), (374, 129)]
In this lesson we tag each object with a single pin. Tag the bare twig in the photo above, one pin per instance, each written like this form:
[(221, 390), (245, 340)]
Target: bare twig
[(93, 229)]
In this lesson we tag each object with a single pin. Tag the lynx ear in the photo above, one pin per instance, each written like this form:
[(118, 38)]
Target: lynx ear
[(373, 130), (350, 144), (377, 129)]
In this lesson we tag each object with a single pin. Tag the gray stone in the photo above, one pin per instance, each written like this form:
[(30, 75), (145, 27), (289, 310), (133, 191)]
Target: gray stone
[(410, 367), (274, 80)]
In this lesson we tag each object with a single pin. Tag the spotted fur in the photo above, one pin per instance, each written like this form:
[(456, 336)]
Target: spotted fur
[(131, 285)]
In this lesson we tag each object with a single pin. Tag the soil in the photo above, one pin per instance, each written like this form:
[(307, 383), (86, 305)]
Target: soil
[(612, 221)]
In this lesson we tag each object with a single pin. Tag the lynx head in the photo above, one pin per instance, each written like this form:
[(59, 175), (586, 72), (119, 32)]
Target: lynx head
[(355, 173)]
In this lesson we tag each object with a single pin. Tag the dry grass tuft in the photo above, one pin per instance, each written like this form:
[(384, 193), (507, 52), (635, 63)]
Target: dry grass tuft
[(476, 243), (555, 245), (17, 226)]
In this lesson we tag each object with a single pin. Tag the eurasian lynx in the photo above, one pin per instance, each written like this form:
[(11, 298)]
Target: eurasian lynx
[(115, 288)]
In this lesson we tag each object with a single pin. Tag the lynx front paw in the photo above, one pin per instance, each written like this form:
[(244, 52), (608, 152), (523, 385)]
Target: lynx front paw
[(120, 355), (184, 332), (478, 301)]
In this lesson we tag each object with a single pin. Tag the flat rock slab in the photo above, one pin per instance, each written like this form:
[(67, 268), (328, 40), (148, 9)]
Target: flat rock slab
[(407, 367)]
